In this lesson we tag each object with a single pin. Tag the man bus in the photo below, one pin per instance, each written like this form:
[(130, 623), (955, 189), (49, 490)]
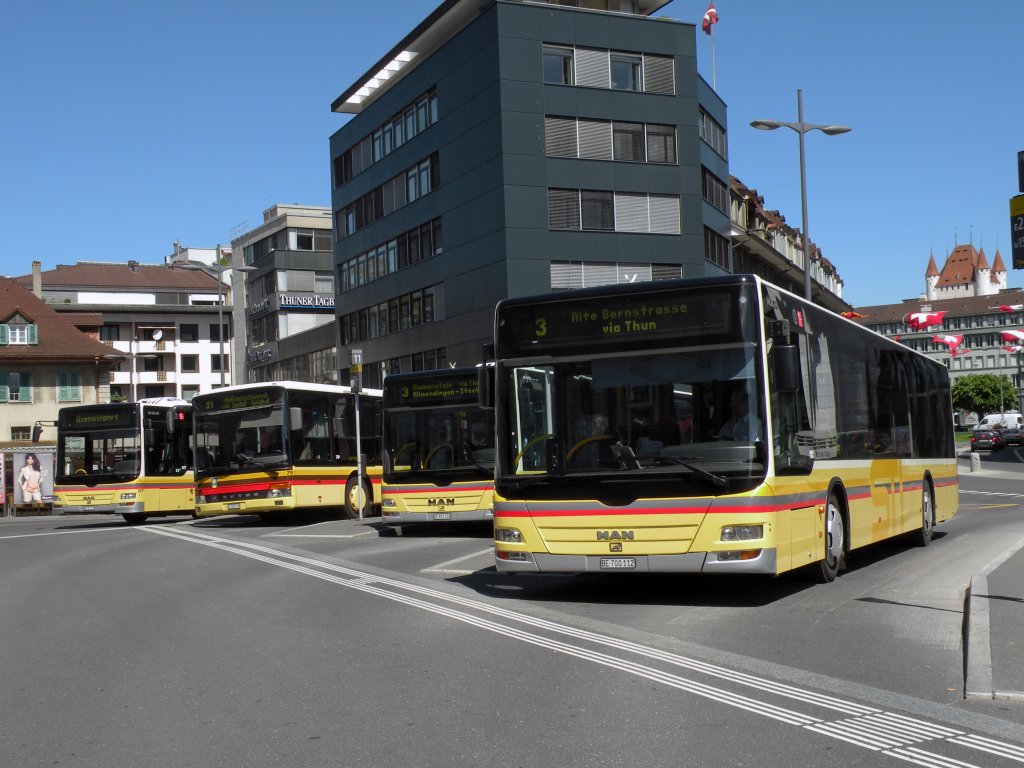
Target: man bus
[(846, 437), (128, 459), (268, 449), (438, 449)]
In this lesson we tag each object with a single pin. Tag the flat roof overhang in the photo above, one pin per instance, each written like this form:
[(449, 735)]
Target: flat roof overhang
[(441, 25)]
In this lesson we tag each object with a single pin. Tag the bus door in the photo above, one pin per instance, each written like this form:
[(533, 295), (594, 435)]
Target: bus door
[(890, 434)]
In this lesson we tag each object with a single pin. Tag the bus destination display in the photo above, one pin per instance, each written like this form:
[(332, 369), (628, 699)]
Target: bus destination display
[(233, 401), (615, 320), (450, 390)]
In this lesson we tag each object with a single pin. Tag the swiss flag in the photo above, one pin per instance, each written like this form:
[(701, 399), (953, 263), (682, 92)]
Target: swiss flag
[(950, 341), (1011, 307), (710, 17), (921, 320), (1012, 336)]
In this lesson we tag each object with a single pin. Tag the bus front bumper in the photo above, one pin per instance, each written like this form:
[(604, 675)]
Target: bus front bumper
[(693, 562), (121, 508), (395, 517)]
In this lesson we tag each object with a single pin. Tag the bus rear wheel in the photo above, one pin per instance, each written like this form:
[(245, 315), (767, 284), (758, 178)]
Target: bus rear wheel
[(826, 569), (357, 494), (134, 518)]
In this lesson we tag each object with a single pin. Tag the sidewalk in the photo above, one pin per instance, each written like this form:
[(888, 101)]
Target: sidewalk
[(995, 629)]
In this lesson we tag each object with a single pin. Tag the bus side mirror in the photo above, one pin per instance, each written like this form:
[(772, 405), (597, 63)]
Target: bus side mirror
[(295, 418), (485, 386), (786, 367)]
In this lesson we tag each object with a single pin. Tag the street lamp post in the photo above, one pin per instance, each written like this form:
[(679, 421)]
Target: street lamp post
[(218, 263), (801, 128)]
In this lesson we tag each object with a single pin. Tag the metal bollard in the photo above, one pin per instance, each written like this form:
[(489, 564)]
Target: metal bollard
[(975, 462)]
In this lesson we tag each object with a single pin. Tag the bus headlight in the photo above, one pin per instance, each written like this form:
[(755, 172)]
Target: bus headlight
[(508, 535), (742, 532), (389, 503), (277, 490)]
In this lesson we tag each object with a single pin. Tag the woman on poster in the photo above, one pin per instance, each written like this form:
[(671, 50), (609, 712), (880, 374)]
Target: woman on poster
[(30, 479)]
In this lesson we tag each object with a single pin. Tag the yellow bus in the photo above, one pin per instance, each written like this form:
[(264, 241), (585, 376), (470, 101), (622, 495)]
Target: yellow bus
[(714, 425), (128, 459), (438, 449), (267, 449)]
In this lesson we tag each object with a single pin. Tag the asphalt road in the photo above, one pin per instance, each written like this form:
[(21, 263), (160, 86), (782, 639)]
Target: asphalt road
[(316, 643)]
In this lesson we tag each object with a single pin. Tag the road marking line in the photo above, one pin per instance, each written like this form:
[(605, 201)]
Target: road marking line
[(440, 567), (61, 533)]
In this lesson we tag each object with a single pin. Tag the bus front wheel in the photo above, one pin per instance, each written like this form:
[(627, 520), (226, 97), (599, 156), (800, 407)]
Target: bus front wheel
[(134, 518), (356, 497), (923, 536), (826, 569)]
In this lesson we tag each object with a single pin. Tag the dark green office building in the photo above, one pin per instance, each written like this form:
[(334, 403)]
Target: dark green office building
[(511, 148)]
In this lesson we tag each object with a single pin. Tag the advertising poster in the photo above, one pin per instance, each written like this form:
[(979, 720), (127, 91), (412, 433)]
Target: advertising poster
[(33, 478)]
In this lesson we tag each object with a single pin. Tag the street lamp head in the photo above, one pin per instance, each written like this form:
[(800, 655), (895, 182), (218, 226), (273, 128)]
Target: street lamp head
[(835, 130), (766, 125)]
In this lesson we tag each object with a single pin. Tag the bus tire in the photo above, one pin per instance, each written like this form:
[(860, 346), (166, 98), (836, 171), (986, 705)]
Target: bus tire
[(826, 569), (134, 518), (922, 537), (352, 499)]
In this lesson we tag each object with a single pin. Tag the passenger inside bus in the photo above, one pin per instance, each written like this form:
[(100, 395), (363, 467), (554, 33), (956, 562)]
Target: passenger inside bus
[(741, 425)]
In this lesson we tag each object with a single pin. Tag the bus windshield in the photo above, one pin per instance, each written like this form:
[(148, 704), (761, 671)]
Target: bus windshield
[(240, 439), (693, 413), (452, 440), (101, 455)]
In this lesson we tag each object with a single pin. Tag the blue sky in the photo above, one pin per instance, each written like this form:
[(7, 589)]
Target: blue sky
[(129, 124)]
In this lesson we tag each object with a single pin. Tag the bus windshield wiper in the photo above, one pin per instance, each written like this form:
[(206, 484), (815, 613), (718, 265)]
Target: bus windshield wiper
[(717, 480)]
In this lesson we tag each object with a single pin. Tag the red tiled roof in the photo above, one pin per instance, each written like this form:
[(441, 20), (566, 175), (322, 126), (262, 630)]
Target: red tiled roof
[(960, 307), (997, 265), (86, 275), (959, 267), (59, 337)]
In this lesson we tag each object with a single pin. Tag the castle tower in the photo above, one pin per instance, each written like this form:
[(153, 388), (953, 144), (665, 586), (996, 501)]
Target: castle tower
[(983, 276), (998, 273), (931, 278)]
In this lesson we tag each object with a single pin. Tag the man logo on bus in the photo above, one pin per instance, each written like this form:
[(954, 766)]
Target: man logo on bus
[(615, 536), (439, 502)]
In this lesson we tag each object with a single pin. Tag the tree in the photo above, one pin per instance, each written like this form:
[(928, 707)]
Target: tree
[(984, 393)]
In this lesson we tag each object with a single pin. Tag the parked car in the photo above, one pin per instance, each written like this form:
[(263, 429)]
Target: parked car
[(986, 440), (1013, 436)]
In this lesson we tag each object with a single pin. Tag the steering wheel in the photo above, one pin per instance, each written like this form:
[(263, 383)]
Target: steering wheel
[(571, 453), (529, 444), (437, 448), (394, 459)]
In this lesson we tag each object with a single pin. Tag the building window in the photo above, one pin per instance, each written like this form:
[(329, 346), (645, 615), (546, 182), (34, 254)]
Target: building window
[(628, 141), (661, 144), (69, 387), (215, 363), (189, 391), (190, 363), (716, 248), (558, 68), (22, 393), (712, 133), (21, 433), (596, 210), (189, 332), (18, 332), (110, 332), (216, 332), (715, 191), (626, 72)]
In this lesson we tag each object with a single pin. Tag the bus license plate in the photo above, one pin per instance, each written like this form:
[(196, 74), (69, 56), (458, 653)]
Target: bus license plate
[(618, 562), (442, 516), (234, 506)]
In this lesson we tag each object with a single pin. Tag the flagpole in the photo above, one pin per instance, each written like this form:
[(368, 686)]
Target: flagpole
[(714, 78)]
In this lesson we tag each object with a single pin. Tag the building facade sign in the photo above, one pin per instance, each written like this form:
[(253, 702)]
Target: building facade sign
[(309, 301)]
